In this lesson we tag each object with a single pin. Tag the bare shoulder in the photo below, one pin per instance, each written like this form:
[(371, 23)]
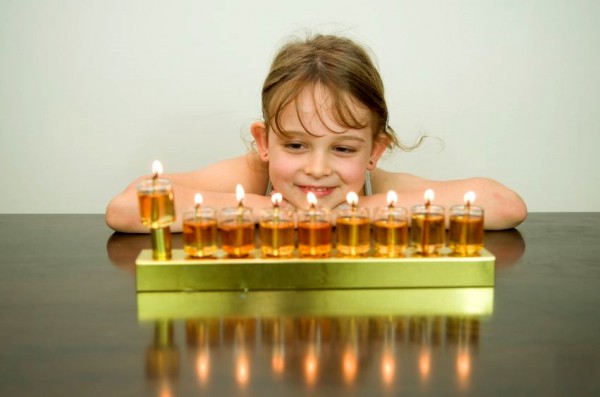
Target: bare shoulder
[(222, 176)]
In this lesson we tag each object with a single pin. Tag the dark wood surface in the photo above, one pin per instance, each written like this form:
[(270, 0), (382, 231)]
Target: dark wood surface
[(69, 326)]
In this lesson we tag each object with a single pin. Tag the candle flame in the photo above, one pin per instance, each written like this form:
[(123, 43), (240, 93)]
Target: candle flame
[(239, 193), (311, 198), (157, 168), (198, 200), (469, 197), (276, 199), (352, 198), (392, 198), (428, 196)]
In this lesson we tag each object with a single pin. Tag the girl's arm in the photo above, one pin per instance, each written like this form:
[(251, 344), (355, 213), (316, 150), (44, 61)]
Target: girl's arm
[(504, 209), (216, 183)]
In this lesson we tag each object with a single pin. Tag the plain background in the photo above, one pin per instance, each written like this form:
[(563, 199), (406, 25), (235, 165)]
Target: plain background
[(92, 91)]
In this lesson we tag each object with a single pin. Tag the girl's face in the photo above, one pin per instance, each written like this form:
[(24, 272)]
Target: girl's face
[(330, 161)]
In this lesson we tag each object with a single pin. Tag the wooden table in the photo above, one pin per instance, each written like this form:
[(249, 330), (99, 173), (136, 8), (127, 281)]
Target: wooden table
[(71, 323)]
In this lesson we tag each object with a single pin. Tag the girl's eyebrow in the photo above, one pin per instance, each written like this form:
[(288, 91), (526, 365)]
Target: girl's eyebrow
[(341, 136), (351, 138)]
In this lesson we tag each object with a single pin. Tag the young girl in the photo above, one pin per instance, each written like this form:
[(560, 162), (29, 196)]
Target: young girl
[(325, 127)]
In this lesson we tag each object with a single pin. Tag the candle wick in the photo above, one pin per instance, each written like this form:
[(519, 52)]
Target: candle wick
[(353, 243), (197, 212), (425, 231), (312, 213), (464, 237), (391, 235), (240, 216)]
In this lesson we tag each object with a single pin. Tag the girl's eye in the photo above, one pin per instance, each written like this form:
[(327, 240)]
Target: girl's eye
[(294, 146), (344, 149)]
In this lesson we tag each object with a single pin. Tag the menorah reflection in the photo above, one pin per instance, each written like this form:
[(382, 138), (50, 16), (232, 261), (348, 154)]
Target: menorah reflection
[(314, 351)]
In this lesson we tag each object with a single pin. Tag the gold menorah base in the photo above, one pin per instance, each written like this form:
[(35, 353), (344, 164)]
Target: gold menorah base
[(255, 273)]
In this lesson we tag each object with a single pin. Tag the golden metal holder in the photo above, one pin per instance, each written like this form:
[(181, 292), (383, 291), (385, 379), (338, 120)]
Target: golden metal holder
[(258, 273), (161, 243)]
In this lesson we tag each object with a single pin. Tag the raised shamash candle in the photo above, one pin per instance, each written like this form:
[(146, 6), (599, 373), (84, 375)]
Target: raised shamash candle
[(236, 226), (353, 228), (200, 230), (314, 230), (157, 211), (465, 236), (390, 228), (276, 228), (155, 196), (427, 229)]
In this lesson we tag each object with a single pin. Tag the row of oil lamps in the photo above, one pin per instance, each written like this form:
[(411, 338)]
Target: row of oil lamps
[(309, 233)]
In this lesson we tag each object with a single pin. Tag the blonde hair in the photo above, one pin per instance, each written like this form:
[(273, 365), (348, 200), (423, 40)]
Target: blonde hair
[(338, 65)]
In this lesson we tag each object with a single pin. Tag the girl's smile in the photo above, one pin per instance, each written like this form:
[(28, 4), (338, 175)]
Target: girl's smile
[(319, 191)]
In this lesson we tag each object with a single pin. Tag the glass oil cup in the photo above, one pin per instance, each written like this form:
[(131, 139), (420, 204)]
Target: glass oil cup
[(200, 232), (236, 229), (427, 229), (466, 231), (353, 231), (390, 231), (277, 233), (315, 233)]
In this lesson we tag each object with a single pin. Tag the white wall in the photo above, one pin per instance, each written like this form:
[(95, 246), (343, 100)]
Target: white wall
[(92, 91)]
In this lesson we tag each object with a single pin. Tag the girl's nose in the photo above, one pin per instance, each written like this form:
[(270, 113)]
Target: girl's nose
[(317, 165)]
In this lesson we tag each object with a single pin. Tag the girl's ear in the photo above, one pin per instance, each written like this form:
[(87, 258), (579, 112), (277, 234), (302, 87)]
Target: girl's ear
[(260, 134), (380, 143)]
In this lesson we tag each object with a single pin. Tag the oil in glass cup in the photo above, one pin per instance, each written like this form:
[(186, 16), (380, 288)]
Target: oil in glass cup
[(315, 233), (353, 230), (390, 231), (427, 229), (200, 232), (277, 232), (465, 237), (156, 204), (236, 229)]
